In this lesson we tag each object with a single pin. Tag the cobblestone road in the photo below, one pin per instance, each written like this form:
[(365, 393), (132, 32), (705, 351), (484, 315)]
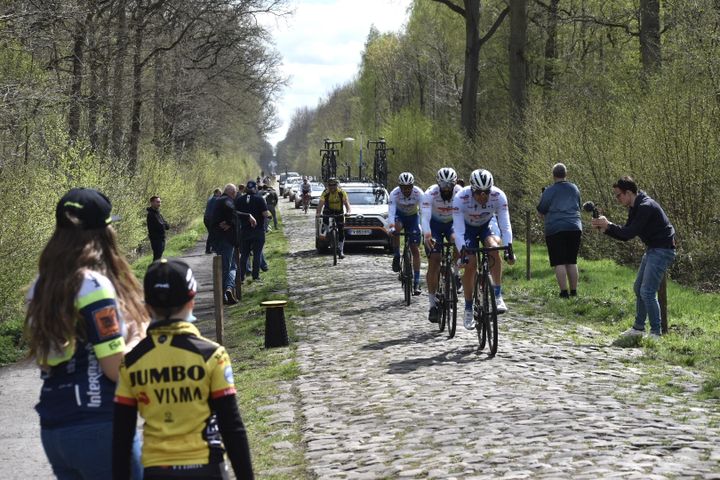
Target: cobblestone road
[(383, 395)]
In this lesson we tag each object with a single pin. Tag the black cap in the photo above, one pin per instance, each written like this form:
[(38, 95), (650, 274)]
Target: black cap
[(251, 185), (90, 207), (169, 283)]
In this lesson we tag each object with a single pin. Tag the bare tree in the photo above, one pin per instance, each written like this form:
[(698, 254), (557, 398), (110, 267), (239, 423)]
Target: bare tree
[(471, 11)]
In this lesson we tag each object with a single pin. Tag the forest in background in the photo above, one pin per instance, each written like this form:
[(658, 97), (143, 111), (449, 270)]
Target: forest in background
[(608, 87), (134, 98)]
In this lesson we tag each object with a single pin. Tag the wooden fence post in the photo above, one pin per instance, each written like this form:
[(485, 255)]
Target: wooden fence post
[(218, 297)]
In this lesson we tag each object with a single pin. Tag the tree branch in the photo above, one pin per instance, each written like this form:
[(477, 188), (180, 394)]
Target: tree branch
[(496, 25), (452, 6)]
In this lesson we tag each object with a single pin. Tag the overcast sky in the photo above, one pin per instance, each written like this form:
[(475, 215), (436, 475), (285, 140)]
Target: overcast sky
[(321, 44)]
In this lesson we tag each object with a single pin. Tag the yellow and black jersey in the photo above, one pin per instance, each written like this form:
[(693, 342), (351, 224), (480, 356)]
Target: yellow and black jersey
[(170, 377), (333, 200)]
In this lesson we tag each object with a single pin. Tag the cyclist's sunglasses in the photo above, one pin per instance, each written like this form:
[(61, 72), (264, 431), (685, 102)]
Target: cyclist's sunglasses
[(446, 185), (486, 192)]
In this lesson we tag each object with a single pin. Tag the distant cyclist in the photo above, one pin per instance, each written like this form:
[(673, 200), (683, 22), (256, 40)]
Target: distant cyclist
[(305, 190), (475, 207), (332, 201), (403, 208), (437, 224)]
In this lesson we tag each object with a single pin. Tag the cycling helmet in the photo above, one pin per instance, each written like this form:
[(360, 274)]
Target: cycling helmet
[(406, 178), (332, 181), (481, 179), (446, 177)]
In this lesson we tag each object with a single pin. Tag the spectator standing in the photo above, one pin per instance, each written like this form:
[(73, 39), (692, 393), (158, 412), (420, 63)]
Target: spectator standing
[(207, 220), (272, 200), (157, 226), (560, 209), (83, 310), (226, 239), (647, 220), (253, 235), (188, 447)]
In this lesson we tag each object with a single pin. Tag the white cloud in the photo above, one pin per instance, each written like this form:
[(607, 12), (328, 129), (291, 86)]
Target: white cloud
[(321, 46)]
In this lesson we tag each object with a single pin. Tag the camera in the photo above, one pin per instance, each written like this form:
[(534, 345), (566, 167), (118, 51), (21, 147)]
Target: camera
[(590, 207)]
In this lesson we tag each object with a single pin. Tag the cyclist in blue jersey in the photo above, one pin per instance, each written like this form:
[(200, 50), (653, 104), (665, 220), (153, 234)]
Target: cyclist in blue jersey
[(403, 209), (437, 226), (475, 207)]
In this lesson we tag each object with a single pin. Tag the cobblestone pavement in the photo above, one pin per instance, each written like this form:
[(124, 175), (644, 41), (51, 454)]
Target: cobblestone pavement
[(383, 395)]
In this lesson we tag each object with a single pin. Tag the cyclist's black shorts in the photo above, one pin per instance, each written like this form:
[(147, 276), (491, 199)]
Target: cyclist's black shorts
[(211, 471), (339, 221)]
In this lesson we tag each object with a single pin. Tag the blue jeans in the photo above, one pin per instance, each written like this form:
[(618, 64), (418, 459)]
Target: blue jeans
[(84, 452), (652, 268), (229, 267)]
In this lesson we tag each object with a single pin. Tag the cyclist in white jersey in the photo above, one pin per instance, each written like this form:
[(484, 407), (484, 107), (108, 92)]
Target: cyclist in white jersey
[(437, 224), (475, 207), (403, 208)]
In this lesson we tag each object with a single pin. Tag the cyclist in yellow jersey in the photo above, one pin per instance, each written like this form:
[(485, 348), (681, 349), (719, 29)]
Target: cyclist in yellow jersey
[(182, 384), (332, 201)]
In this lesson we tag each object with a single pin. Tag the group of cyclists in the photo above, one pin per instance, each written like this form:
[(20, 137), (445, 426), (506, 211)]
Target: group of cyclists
[(447, 211)]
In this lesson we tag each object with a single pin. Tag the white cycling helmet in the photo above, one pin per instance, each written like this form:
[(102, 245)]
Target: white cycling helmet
[(446, 177), (406, 178), (481, 179)]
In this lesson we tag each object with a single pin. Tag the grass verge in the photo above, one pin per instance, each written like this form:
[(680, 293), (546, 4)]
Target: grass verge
[(263, 376), (606, 303)]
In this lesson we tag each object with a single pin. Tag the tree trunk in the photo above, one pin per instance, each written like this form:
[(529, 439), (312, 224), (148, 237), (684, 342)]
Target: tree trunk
[(468, 111), (75, 96), (116, 111), (518, 65), (104, 87), (650, 36), (159, 139), (551, 53), (93, 67), (134, 139)]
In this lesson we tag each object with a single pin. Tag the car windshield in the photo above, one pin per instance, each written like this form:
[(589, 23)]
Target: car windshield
[(367, 198)]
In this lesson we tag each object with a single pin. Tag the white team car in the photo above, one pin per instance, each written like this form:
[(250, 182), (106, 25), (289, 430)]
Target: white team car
[(315, 190)]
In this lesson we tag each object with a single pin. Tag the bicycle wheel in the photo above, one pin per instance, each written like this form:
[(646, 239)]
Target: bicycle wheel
[(407, 274), (441, 303), (334, 243), (478, 311), (490, 316), (451, 299)]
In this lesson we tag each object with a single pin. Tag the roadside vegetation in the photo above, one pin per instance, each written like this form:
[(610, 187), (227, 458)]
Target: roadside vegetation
[(606, 303)]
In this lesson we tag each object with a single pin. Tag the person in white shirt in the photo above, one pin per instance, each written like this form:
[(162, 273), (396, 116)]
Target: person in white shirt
[(475, 207), (403, 208), (437, 224)]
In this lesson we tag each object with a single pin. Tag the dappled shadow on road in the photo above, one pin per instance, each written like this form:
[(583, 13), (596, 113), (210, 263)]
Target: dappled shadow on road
[(458, 356), (412, 338)]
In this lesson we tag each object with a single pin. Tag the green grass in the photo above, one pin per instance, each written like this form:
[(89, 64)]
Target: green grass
[(606, 303), (263, 375)]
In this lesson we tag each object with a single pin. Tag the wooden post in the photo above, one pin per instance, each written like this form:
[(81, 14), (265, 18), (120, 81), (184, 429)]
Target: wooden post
[(218, 297), (238, 281), (662, 299), (527, 245)]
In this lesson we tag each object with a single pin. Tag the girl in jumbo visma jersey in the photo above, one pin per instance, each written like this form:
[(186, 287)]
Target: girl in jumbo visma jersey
[(84, 310)]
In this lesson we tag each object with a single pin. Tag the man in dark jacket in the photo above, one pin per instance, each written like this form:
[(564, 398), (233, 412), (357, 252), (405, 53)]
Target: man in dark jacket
[(157, 226), (271, 198), (647, 220), (253, 236), (207, 220)]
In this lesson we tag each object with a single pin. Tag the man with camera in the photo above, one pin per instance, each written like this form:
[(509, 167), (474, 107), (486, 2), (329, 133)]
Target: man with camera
[(647, 220)]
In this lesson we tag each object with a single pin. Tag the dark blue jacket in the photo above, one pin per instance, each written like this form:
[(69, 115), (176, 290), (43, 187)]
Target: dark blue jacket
[(647, 220), (256, 206), (560, 204)]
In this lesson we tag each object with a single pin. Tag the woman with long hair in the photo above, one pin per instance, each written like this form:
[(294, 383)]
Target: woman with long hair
[(85, 310)]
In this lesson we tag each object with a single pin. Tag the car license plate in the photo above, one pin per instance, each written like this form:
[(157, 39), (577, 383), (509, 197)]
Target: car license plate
[(360, 231)]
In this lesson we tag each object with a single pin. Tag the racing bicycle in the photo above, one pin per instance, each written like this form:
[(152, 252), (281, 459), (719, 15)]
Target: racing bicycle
[(332, 232), (484, 308), (447, 291)]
